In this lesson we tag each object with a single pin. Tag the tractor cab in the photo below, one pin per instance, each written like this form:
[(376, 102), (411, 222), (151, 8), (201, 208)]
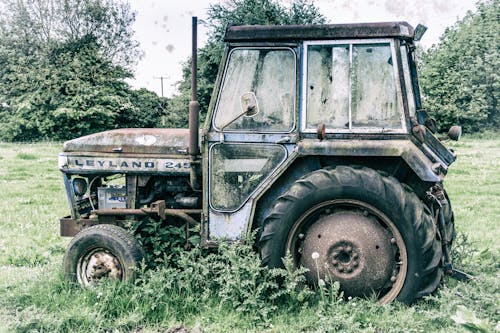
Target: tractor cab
[(318, 93)]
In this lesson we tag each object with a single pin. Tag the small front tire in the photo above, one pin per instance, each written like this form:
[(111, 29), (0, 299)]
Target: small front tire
[(100, 252)]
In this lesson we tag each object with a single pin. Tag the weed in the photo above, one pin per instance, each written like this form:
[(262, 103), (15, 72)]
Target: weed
[(26, 156), (163, 241)]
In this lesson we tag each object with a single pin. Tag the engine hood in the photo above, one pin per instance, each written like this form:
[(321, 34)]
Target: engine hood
[(133, 140)]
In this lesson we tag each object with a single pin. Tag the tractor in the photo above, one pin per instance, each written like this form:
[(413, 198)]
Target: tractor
[(315, 140)]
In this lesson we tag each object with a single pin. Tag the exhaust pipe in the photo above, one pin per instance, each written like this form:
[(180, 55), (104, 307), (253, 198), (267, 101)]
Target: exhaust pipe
[(194, 113)]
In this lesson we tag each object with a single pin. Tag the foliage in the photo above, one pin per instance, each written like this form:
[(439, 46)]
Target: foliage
[(460, 75), (62, 70), (237, 12), (32, 26), (163, 241)]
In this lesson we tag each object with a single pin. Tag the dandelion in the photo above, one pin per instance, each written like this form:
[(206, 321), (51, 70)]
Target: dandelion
[(321, 282), (315, 255)]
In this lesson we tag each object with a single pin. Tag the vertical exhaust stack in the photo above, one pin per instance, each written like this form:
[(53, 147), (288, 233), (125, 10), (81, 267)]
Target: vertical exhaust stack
[(194, 113)]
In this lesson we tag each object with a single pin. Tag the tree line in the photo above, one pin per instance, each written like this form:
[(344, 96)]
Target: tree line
[(459, 76), (63, 65)]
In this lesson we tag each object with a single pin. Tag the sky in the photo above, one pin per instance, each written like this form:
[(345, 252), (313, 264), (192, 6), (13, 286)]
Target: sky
[(163, 28)]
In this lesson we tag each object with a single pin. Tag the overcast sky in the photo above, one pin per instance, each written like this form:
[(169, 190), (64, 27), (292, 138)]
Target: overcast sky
[(163, 27)]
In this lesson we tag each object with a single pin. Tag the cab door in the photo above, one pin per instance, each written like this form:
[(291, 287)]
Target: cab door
[(251, 133)]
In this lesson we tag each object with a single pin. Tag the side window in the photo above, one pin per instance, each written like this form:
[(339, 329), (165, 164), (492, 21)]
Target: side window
[(328, 86), (238, 169), (267, 74), (352, 87), (374, 94)]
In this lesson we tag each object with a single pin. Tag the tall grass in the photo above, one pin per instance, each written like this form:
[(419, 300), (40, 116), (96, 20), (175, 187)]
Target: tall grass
[(227, 290)]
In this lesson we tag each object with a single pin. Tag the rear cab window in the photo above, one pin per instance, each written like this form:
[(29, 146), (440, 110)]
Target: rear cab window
[(352, 86)]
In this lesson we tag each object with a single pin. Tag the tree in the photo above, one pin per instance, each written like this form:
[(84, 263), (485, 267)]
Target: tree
[(33, 25), (460, 75), (236, 12), (71, 91), (62, 70)]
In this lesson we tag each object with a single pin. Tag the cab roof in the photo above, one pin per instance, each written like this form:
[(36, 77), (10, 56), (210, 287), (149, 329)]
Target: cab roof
[(272, 33)]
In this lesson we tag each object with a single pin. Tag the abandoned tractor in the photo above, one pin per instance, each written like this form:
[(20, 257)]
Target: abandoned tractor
[(315, 136)]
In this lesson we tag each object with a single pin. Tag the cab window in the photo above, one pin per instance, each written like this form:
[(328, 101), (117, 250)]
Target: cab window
[(352, 87), (260, 79)]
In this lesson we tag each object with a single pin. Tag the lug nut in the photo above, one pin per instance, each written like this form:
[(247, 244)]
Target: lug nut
[(348, 249), (393, 278), (301, 236), (335, 262), (393, 240)]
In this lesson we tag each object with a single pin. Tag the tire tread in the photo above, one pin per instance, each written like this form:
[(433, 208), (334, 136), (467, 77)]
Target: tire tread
[(402, 197)]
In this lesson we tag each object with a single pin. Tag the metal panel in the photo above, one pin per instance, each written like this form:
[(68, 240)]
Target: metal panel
[(133, 140), (121, 164), (314, 32), (252, 137), (424, 167), (230, 225)]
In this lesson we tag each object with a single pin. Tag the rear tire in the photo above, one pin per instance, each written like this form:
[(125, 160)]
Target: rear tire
[(364, 229), (449, 220), (100, 252)]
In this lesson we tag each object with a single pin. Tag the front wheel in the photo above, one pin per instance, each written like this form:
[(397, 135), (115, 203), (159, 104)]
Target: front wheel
[(360, 228), (102, 252)]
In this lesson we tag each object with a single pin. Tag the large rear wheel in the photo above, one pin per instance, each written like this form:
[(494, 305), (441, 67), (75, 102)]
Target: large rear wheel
[(359, 227)]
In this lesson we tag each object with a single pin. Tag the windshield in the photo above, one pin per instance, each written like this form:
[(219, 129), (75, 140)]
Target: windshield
[(352, 87), (269, 76)]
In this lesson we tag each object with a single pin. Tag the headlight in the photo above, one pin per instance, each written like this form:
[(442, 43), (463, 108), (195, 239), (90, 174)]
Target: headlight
[(79, 186)]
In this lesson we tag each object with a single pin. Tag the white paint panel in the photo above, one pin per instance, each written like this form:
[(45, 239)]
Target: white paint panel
[(244, 164), (124, 164)]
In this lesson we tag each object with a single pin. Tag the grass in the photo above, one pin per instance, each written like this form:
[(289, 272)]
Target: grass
[(229, 292)]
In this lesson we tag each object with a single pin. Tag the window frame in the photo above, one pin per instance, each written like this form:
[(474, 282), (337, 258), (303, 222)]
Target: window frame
[(409, 84), (252, 193), (351, 129), (295, 97)]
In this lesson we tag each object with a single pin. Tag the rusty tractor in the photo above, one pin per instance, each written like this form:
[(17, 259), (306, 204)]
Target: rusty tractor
[(315, 136)]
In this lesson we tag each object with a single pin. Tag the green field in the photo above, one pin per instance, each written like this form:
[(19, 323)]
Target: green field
[(35, 298)]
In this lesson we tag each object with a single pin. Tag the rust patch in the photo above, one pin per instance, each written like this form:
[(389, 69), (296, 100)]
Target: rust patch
[(133, 140)]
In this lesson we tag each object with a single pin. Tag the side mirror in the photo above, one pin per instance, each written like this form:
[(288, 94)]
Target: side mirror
[(455, 133), (249, 106), (419, 32), (430, 123)]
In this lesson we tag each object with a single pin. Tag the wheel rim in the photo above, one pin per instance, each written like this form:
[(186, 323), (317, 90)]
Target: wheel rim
[(97, 264), (351, 242)]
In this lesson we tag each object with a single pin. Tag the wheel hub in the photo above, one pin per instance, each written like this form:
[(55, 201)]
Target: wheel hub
[(344, 257), (352, 248), (99, 264)]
